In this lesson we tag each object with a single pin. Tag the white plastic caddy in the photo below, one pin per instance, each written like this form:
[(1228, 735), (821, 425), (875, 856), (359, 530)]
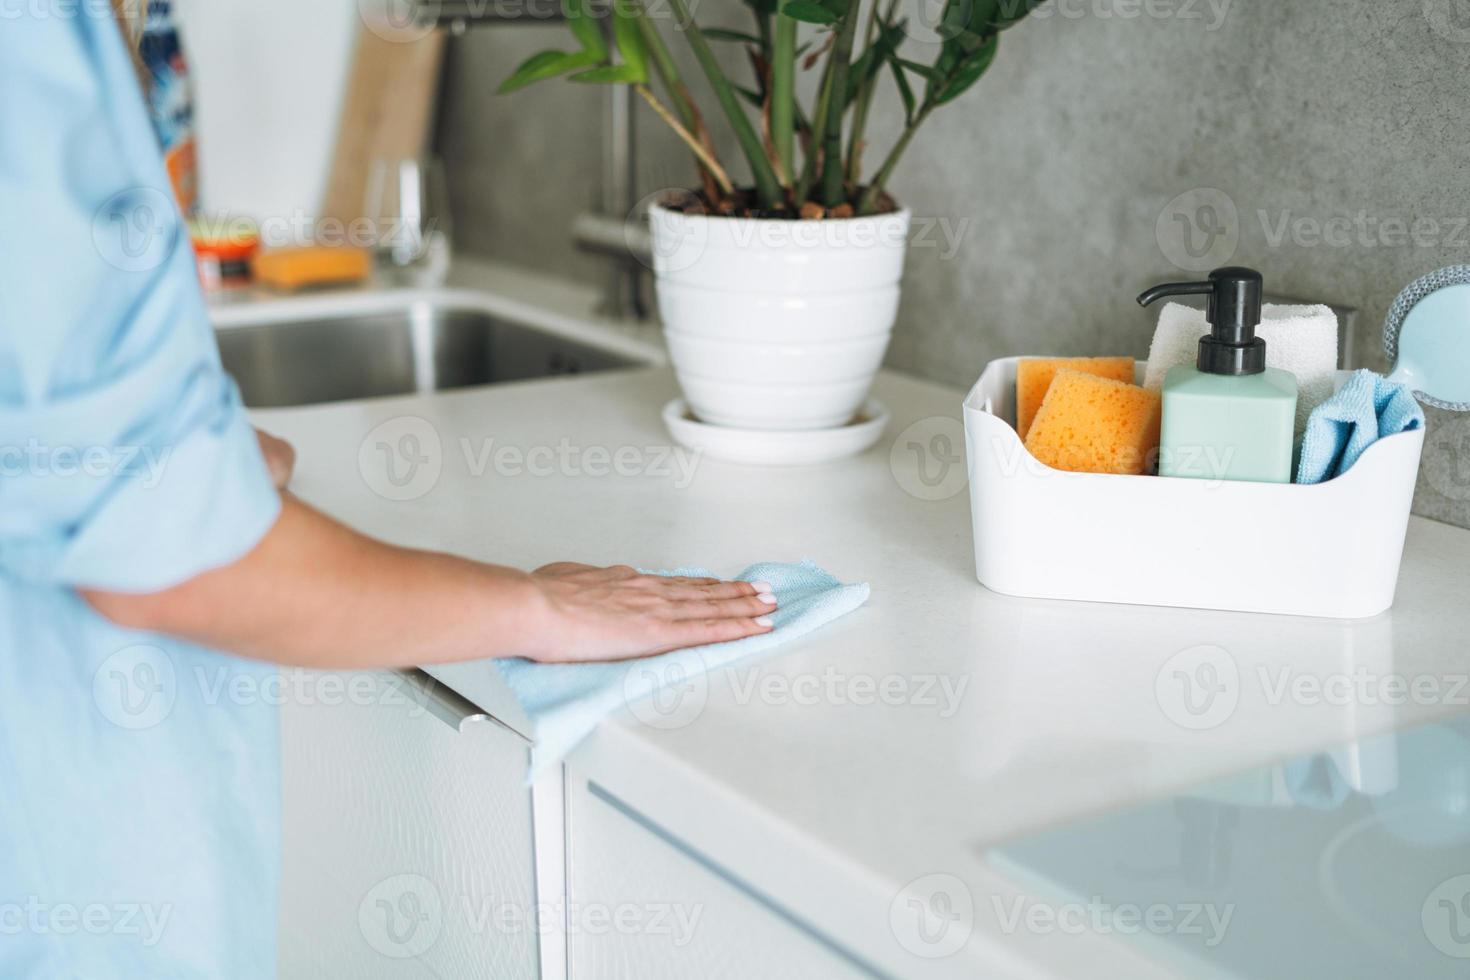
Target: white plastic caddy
[(1330, 549)]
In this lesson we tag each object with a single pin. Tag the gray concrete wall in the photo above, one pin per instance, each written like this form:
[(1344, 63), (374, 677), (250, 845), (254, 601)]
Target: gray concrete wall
[(1113, 144)]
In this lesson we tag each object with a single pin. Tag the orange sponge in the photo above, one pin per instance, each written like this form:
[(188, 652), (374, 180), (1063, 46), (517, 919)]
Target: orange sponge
[(1034, 374), (290, 269), (1089, 424)]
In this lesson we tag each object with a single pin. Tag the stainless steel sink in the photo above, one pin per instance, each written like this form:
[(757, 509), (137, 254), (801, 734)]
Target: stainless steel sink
[(423, 348)]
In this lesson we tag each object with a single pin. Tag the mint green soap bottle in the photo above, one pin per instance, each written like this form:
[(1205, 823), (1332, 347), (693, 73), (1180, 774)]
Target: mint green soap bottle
[(1229, 417)]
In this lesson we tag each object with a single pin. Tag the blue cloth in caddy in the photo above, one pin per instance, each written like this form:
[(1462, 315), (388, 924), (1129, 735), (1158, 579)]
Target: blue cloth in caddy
[(1365, 409)]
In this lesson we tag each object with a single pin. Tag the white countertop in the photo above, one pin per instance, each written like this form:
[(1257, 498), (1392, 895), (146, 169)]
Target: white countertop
[(1001, 715)]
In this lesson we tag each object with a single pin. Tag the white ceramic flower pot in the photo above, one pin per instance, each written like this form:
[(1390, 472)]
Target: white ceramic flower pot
[(777, 324)]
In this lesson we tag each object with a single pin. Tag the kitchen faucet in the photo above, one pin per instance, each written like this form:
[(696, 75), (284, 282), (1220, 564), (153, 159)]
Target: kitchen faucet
[(611, 231)]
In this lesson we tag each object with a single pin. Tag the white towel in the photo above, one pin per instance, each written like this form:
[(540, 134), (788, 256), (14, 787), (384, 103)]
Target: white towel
[(1299, 339)]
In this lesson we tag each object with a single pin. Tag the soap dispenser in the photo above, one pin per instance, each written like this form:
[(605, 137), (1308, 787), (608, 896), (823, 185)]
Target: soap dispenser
[(1229, 417)]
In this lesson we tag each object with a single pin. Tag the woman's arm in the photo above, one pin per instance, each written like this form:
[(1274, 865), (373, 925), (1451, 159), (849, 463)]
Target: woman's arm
[(106, 347), (314, 593)]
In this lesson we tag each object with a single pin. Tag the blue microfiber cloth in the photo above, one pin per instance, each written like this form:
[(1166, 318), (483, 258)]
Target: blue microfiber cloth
[(566, 701), (1365, 409)]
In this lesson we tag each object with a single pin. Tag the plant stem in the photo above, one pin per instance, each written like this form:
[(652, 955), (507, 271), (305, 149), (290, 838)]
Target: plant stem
[(767, 187), (864, 100), (870, 196), (832, 192), (705, 158), (815, 138), (663, 64), (668, 73), (783, 90), (763, 28)]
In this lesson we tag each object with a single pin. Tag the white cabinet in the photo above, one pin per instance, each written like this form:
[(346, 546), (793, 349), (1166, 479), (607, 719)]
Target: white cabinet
[(410, 850), (408, 846), (644, 904)]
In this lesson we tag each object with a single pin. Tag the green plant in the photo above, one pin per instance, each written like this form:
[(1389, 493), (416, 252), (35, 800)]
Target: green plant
[(619, 43)]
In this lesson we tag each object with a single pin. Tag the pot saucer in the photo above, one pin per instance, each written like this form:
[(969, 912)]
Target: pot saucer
[(784, 447)]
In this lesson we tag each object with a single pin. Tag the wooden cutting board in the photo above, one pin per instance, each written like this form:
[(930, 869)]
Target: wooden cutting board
[(387, 113)]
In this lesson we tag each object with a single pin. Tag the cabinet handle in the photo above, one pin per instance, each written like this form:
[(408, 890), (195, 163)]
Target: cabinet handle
[(448, 705)]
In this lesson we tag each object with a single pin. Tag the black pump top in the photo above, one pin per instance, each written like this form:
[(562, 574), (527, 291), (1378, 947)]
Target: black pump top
[(1234, 312)]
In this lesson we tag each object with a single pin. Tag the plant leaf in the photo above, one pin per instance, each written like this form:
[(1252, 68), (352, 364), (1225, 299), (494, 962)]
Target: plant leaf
[(1012, 12), (809, 12), (725, 34), (629, 40), (928, 72), (871, 61), (586, 29), (967, 16), (905, 92), (967, 72), (971, 22), (543, 65), (611, 75)]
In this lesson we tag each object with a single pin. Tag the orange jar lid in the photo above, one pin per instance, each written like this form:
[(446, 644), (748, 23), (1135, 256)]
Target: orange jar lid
[(229, 244)]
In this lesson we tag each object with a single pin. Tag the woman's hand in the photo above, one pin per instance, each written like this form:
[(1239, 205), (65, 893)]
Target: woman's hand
[(616, 613), (280, 458)]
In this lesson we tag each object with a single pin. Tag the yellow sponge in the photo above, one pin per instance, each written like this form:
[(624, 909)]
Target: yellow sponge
[(1089, 424), (1034, 374)]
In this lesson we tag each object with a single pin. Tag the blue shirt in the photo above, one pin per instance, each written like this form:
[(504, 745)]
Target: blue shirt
[(139, 776)]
